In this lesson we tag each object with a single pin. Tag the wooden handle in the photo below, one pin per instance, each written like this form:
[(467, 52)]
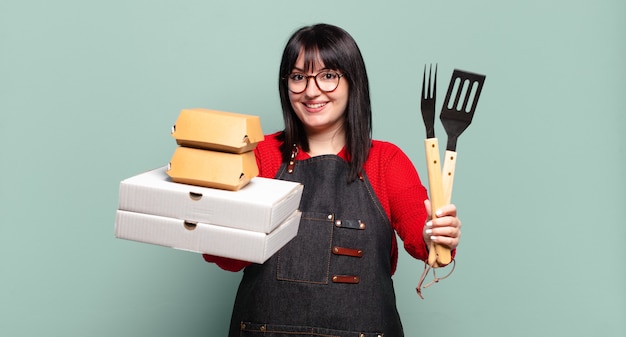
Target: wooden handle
[(442, 255), (447, 175)]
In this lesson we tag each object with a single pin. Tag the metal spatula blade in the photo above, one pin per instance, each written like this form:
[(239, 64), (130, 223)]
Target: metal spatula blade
[(460, 104)]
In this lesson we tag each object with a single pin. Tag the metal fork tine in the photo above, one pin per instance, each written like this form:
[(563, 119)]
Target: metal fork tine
[(423, 84), (428, 101), (430, 70), (432, 93), (435, 82)]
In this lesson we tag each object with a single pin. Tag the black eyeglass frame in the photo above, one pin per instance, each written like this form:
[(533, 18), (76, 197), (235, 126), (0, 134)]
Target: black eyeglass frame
[(307, 77)]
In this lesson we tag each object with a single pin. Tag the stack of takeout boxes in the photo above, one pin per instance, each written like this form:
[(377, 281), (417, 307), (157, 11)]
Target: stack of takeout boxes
[(209, 198)]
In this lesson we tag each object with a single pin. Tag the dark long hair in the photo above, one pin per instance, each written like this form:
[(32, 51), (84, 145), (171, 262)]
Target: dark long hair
[(338, 51)]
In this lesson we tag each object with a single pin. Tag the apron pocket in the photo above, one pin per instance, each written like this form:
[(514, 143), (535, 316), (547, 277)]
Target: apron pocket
[(306, 258), (276, 330)]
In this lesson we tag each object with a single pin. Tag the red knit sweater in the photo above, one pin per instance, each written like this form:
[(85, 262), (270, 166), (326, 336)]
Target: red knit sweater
[(394, 180)]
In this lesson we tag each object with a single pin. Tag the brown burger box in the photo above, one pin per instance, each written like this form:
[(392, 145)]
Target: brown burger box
[(217, 130), (229, 171)]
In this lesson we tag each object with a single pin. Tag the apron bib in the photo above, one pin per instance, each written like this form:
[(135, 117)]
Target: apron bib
[(334, 277)]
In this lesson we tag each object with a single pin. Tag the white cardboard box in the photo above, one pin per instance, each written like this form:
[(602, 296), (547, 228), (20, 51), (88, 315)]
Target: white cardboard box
[(259, 206), (204, 238)]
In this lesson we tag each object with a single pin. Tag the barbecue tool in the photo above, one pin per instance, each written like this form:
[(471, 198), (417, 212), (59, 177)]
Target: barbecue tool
[(439, 255), (456, 116)]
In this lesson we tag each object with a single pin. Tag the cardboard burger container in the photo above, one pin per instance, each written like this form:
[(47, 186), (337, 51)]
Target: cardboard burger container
[(229, 171), (217, 130), (205, 238), (261, 206)]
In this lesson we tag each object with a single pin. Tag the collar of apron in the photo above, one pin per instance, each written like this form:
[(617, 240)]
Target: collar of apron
[(301, 155)]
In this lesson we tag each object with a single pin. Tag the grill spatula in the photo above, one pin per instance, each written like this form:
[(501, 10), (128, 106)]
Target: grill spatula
[(456, 115)]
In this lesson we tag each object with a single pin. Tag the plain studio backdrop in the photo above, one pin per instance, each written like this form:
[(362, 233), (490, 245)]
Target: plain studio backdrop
[(90, 89)]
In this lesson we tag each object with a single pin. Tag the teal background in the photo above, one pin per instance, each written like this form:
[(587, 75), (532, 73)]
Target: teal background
[(90, 89)]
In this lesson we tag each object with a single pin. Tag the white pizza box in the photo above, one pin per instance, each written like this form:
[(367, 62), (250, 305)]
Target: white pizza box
[(259, 206), (205, 238)]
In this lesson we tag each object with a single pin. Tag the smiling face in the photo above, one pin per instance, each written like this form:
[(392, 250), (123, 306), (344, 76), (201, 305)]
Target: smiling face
[(320, 112)]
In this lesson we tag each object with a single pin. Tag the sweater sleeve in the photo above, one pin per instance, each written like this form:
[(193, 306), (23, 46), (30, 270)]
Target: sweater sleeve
[(268, 160), (405, 196), (226, 263), (401, 193), (407, 210)]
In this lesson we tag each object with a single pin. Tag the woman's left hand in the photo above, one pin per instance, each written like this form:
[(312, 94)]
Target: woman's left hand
[(445, 229)]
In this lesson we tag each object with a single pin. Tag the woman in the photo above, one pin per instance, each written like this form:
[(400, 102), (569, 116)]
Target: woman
[(334, 278)]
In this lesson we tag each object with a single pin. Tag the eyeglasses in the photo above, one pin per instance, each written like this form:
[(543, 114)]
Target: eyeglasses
[(326, 81)]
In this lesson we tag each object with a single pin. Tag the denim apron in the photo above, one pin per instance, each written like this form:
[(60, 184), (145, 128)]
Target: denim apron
[(334, 277)]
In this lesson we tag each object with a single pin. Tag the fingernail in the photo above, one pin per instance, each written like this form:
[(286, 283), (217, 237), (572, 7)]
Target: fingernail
[(429, 231), (429, 224), (439, 213), (434, 238)]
